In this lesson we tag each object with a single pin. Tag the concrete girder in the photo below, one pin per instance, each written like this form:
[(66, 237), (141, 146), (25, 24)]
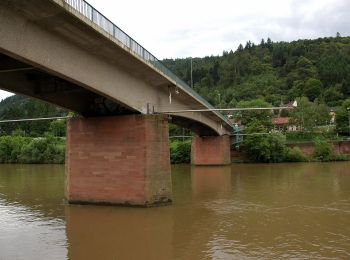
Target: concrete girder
[(56, 40)]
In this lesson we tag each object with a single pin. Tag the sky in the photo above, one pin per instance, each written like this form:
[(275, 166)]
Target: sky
[(198, 28)]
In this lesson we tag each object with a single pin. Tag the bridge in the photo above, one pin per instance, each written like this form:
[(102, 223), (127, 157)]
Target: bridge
[(67, 53)]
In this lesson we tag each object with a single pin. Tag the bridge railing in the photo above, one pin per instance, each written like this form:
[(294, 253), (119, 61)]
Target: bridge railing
[(103, 22)]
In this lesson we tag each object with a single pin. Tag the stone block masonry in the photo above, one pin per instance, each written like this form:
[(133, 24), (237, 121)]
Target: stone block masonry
[(341, 147), (121, 160), (211, 150)]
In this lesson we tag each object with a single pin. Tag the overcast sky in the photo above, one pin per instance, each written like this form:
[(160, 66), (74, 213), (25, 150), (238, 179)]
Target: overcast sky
[(197, 28)]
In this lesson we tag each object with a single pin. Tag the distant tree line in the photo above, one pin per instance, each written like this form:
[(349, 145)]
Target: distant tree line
[(19, 107), (316, 72), (275, 71)]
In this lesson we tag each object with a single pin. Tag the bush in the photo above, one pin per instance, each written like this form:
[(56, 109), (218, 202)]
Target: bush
[(58, 127), (295, 155), (180, 151), (277, 147), (265, 148), (323, 150), (18, 149), (10, 148)]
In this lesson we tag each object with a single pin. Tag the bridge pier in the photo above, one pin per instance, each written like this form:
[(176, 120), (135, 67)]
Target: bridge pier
[(211, 150), (122, 160)]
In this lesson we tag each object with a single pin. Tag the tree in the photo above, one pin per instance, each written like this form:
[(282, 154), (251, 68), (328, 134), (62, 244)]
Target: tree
[(308, 114), (342, 117), (334, 65), (305, 68), (264, 116), (261, 146), (58, 127), (313, 88), (323, 150), (342, 121), (332, 96)]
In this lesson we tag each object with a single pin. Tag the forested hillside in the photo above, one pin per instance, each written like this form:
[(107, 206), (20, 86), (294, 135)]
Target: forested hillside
[(274, 71), (19, 107)]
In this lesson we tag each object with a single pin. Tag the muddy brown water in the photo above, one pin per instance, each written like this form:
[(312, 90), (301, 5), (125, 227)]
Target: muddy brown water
[(243, 211)]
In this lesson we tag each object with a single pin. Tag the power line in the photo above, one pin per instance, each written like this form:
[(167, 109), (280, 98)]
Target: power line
[(222, 109), (34, 119)]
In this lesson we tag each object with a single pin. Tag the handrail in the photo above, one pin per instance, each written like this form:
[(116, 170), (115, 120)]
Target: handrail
[(104, 23)]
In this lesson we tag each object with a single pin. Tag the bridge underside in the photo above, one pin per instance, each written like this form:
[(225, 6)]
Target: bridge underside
[(21, 78), (24, 79)]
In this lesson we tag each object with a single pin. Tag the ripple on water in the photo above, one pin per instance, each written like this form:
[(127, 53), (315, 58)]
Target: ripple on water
[(27, 234)]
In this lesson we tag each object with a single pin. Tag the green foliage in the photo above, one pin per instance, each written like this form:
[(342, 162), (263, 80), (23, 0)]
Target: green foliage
[(277, 142), (272, 71), (11, 148), (58, 128), (307, 115), (260, 146), (333, 96), (175, 130), (180, 151), (342, 117), (19, 107), (342, 120), (19, 149), (293, 137), (247, 116), (313, 88), (295, 155), (323, 150)]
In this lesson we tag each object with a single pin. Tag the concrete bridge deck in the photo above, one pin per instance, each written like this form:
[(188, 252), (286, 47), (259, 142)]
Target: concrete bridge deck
[(65, 52)]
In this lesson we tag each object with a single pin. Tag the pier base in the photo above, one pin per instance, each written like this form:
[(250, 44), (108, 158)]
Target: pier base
[(211, 150), (122, 160)]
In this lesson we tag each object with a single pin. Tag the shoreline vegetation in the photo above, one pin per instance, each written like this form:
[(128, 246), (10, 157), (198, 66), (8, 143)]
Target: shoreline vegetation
[(32, 150), (256, 149)]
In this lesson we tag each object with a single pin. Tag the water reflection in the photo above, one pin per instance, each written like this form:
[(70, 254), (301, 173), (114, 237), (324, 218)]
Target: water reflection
[(118, 233), (243, 211), (38, 187), (31, 212), (211, 182)]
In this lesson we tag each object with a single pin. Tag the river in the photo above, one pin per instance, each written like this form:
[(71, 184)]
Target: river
[(243, 211)]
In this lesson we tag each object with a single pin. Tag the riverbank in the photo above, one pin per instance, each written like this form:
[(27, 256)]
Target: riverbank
[(20, 149), (319, 150), (49, 149)]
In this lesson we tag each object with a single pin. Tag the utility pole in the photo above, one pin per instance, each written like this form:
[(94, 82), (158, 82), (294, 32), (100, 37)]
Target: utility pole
[(191, 72)]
